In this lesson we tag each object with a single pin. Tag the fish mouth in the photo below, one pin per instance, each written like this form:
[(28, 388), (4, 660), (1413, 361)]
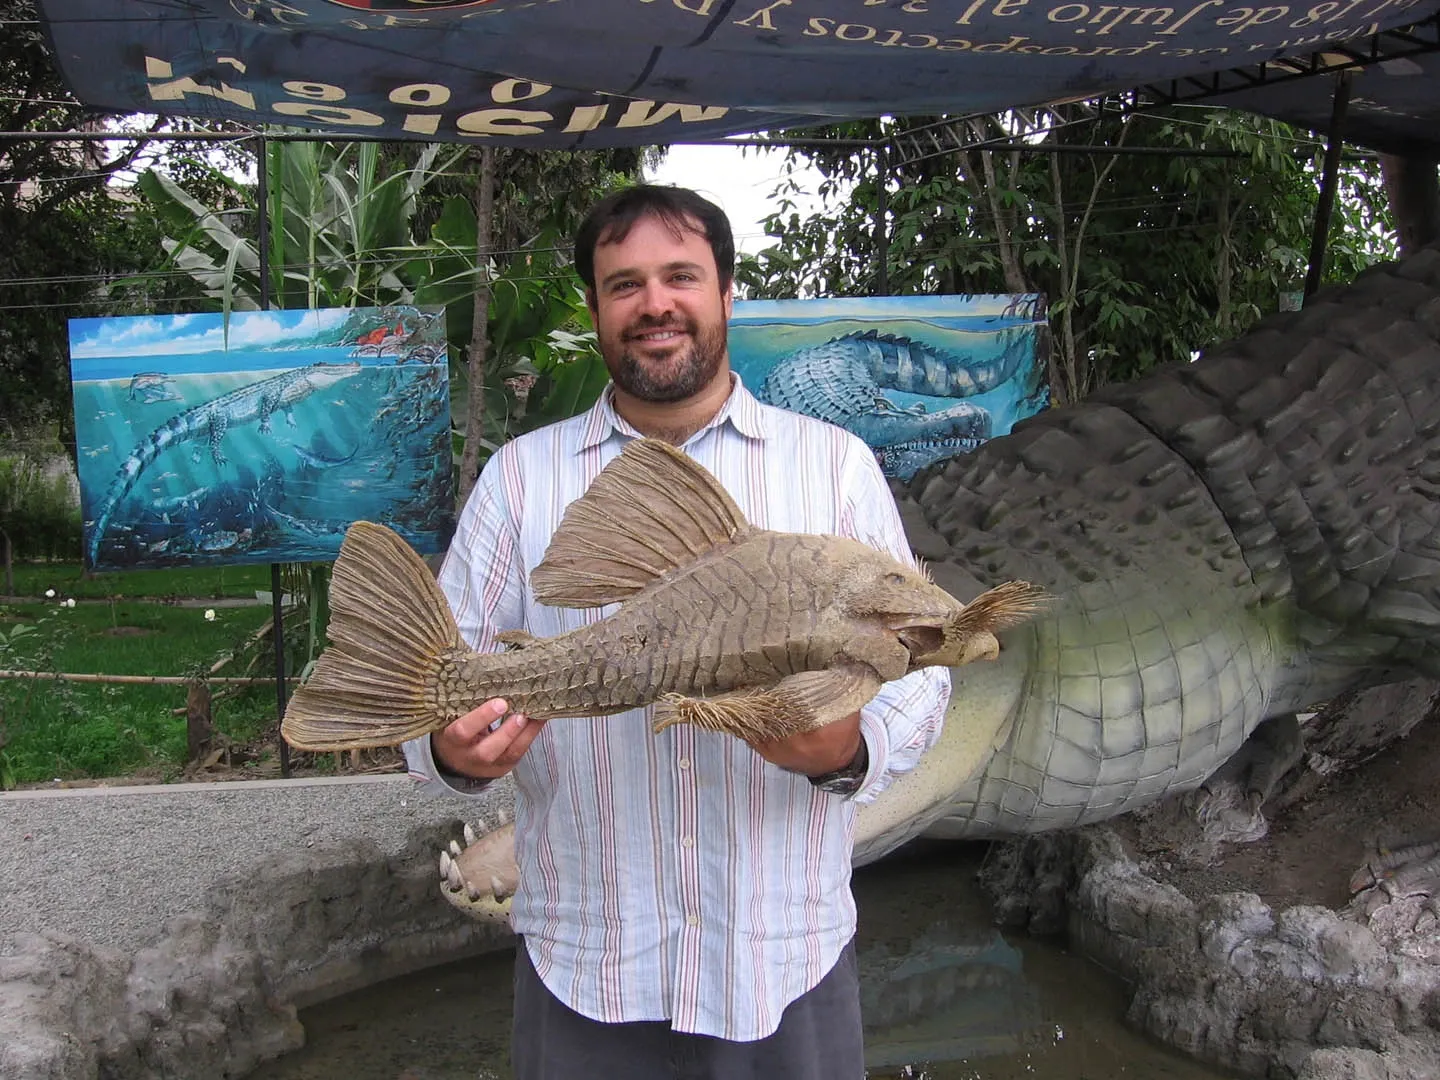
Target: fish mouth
[(920, 636)]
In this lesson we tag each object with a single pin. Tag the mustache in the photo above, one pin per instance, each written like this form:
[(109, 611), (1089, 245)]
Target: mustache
[(649, 324)]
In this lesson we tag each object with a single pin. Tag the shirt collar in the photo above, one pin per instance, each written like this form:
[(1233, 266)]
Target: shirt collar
[(741, 410)]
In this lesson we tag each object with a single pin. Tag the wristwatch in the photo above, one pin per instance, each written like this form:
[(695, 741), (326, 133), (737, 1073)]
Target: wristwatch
[(847, 779)]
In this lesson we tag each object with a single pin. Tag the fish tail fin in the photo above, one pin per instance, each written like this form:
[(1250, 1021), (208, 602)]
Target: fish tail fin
[(392, 636)]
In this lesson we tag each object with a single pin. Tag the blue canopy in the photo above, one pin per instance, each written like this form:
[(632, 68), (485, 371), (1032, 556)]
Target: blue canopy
[(597, 73)]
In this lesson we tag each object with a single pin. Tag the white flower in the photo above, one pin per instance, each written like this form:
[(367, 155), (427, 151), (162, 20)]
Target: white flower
[(49, 594), (209, 614), (70, 602)]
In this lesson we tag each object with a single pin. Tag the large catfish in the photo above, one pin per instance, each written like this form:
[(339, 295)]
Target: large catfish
[(722, 625)]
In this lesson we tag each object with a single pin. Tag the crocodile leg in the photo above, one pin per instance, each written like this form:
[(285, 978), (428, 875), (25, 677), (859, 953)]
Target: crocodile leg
[(1233, 796), (1400, 873)]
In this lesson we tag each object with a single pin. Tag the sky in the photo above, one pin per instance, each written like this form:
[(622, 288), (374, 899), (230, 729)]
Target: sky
[(740, 180), (189, 334)]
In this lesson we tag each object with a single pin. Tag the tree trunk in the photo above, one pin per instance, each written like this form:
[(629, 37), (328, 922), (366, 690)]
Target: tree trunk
[(479, 333), (1223, 268), (1413, 185), (9, 564)]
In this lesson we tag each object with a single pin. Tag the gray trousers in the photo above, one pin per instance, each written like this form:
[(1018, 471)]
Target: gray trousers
[(819, 1038)]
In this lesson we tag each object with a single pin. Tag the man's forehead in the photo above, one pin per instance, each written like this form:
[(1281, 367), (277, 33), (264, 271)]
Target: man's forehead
[(679, 227)]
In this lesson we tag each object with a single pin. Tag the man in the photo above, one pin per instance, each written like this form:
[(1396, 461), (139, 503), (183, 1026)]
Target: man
[(684, 898)]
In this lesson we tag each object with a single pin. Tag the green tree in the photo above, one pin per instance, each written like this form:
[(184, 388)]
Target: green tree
[(68, 230), (1142, 259)]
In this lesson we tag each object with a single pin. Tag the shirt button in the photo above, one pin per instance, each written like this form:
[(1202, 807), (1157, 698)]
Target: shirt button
[(692, 920), (687, 841), (684, 763)]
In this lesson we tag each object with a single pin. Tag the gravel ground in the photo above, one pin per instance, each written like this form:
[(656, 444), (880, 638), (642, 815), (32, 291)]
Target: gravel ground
[(113, 865)]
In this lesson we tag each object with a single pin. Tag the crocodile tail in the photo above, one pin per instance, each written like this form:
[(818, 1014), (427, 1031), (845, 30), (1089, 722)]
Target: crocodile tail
[(901, 363), (174, 430), (391, 635)]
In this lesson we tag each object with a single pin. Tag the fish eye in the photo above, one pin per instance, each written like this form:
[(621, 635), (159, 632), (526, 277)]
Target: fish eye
[(894, 578)]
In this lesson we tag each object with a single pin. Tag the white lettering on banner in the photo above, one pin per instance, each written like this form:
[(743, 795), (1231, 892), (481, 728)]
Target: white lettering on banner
[(421, 95), (178, 89), (502, 122), (329, 114), (314, 91), (640, 114), (764, 16), (1244, 18), (586, 117), (509, 91)]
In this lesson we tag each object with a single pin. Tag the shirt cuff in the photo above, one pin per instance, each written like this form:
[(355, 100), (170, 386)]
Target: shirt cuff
[(420, 759), (877, 744)]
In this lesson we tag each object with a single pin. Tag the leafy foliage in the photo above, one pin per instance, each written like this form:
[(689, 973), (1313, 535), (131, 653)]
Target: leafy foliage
[(1143, 259), (67, 231)]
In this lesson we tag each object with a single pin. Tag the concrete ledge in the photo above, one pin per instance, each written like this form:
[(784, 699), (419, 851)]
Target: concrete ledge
[(174, 930)]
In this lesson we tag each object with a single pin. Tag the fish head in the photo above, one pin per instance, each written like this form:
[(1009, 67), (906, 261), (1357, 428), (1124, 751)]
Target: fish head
[(876, 588), (933, 626)]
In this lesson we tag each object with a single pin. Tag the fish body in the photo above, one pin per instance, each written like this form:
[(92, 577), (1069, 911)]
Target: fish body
[(318, 460), (152, 387), (748, 631)]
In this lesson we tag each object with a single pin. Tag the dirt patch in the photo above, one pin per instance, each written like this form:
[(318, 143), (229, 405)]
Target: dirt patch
[(1313, 847)]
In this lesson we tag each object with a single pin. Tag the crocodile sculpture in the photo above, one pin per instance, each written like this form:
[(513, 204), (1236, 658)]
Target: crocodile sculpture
[(209, 421), (843, 381), (1229, 541)]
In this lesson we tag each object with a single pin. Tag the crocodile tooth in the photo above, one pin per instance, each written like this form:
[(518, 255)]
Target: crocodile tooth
[(472, 892), (454, 849), (469, 834), (444, 865), (497, 887), (455, 880)]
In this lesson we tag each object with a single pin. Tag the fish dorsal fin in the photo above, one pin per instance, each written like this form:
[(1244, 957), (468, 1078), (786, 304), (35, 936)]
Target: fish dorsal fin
[(651, 509)]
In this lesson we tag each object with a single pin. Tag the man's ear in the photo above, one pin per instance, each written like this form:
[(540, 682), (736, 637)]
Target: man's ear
[(728, 299), (590, 303)]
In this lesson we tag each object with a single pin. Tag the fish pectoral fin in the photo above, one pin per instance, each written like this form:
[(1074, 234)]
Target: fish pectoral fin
[(516, 639), (797, 703), (651, 509)]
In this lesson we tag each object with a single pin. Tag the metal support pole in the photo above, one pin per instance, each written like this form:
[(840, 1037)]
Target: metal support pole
[(1329, 181), (882, 228), (277, 584)]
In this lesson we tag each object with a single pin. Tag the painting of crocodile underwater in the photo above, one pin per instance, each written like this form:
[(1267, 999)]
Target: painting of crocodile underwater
[(919, 378), (201, 442)]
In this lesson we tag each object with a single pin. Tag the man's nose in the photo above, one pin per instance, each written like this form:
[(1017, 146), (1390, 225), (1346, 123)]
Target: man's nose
[(655, 299)]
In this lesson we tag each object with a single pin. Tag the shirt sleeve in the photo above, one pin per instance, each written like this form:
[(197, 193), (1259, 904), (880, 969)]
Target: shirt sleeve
[(905, 718), (483, 578)]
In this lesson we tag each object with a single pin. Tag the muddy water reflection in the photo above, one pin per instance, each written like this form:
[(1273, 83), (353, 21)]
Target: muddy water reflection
[(946, 997)]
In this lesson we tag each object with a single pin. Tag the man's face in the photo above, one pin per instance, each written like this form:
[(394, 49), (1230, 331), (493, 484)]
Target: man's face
[(659, 311)]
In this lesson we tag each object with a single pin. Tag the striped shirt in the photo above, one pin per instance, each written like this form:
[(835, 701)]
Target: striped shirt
[(679, 876)]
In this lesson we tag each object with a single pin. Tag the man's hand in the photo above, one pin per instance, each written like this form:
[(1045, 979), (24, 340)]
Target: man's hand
[(470, 748), (817, 752)]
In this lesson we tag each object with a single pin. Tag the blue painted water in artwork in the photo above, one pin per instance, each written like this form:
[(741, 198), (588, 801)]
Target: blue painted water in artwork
[(262, 455)]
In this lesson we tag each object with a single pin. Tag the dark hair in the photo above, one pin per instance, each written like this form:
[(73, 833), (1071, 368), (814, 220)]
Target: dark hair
[(680, 208)]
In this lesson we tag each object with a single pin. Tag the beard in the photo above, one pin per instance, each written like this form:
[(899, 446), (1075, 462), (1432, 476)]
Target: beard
[(675, 377)]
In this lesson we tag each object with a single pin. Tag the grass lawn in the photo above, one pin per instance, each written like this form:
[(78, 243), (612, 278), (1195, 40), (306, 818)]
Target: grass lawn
[(32, 579), (76, 730)]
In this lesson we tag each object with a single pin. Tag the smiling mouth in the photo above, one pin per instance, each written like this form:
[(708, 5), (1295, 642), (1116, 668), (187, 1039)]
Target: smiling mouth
[(659, 335)]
